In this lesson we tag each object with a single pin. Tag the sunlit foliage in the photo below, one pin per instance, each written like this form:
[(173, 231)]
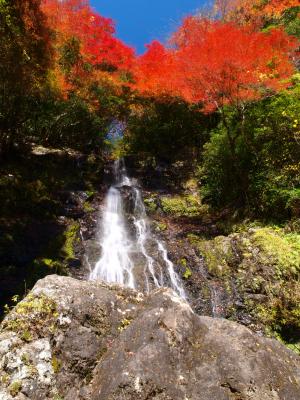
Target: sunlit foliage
[(217, 63), (85, 43), (252, 11)]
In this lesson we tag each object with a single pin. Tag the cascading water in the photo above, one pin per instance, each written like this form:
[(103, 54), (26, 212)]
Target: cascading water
[(115, 264), (143, 235), (126, 259), (175, 283)]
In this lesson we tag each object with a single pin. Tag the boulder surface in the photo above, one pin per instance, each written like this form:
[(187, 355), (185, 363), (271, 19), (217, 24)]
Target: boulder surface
[(71, 339)]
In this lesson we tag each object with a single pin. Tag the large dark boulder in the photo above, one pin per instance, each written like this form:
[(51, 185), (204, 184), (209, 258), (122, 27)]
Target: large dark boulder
[(73, 339)]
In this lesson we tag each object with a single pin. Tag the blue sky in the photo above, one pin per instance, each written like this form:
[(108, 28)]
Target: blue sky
[(140, 21)]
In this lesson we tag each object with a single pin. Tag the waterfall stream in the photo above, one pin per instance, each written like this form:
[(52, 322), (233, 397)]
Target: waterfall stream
[(130, 254)]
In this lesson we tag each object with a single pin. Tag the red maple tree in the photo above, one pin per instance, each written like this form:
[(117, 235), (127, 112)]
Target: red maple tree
[(96, 33), (86, 49), (155, 71), (222, 63), (217, 63)]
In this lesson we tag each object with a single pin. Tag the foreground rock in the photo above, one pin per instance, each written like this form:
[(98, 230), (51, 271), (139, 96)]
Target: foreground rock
[(71, 339)]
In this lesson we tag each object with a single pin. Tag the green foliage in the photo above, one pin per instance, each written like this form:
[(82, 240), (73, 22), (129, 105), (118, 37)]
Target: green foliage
[(57, 397), (45, 266), (70, 54), (262, 171), (25, 359), (160, 226), (279, 249), (150, 204), (217, 253), (65, 123), (168, 130), (217, 171), (289, 20), (25, 56), (87, 207), (188, 272), (15, 298)]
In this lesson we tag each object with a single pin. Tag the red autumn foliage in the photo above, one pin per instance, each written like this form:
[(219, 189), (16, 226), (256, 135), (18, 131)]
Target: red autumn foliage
[(75, 18), (154, 69), (217, 63), (231, 63)]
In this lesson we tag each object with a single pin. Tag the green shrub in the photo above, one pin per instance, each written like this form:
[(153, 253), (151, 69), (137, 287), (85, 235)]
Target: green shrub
[(264, 171)]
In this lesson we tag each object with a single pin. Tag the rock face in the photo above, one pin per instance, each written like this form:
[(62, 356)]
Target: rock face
[(248, 272), (72, 339)]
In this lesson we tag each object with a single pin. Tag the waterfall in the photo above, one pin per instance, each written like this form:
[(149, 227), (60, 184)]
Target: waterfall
[(127, 256), (175, 282), (115, 264), (143, 235)]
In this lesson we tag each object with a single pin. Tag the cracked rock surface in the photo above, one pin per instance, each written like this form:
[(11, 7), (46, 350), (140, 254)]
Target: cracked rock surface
[(71, 339)]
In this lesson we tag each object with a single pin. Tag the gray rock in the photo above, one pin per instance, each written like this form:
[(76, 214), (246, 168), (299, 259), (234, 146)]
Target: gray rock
[(92, 341)]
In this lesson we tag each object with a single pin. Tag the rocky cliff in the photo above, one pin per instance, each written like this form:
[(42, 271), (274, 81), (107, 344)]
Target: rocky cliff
[(71, 339)]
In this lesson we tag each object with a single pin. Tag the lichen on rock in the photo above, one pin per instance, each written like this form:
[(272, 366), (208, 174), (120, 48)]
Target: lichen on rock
[(113, 343), (35, 316)]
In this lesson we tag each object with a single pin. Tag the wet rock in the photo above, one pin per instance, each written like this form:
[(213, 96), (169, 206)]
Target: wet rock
[(74, 263), (104, 342), (256, 276), (73, 203), (250, 276)]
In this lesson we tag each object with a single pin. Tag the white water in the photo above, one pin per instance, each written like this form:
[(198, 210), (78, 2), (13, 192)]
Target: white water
[(116, 264), (143, 234), (176, 284)]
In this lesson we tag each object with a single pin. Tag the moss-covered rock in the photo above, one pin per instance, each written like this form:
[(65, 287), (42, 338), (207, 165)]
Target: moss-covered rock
[(217, 252), (262, 264), (278, 248), (151, 204), (183, 206), (112, 343), (34, 317), (160, 226), (70, 235), (42, 193), (14, 388)]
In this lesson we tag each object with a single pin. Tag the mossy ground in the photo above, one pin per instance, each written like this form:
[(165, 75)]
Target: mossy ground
[(263, 264), (183, 206)]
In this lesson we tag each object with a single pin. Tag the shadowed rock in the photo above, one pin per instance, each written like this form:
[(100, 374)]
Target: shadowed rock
[(72, 339)]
